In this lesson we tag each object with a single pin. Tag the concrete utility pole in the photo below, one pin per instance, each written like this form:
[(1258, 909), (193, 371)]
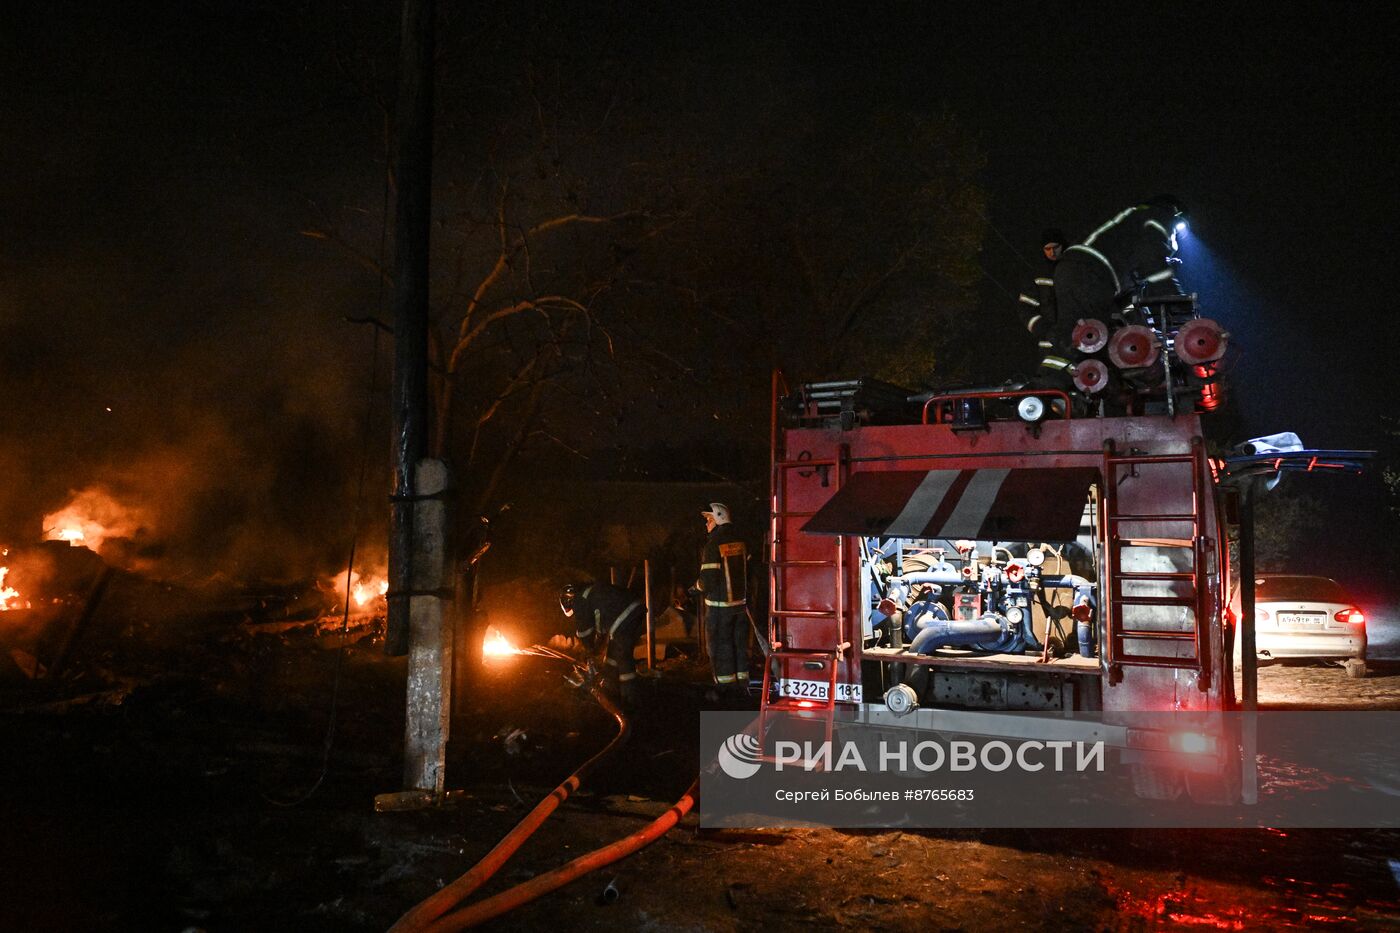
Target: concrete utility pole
[(418, 528), (414, 172), (430, 639)]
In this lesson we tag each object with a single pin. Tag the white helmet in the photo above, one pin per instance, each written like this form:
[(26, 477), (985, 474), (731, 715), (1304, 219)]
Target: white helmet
[(719, 513)]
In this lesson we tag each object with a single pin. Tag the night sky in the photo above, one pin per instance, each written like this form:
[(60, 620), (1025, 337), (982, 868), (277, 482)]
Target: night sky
[(159, 159)]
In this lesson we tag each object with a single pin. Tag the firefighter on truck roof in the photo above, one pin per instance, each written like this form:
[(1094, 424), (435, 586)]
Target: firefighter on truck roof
[(1039, 313), (1133, 254), (603, 612), (724, 583)]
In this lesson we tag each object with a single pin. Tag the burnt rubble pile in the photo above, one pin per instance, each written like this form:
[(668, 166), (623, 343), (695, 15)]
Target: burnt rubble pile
[(82, 630)]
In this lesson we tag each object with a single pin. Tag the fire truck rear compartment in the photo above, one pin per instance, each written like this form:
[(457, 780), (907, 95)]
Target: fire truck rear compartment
[(1126, 510), (981, 580)]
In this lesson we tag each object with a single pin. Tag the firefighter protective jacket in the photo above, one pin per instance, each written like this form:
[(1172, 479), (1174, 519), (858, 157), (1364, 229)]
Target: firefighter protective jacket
[(1040, 313), (601, 609), (724, 569), (1137, 247)]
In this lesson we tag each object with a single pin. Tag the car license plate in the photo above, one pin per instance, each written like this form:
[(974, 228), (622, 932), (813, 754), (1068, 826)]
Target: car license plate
[(1300, 618), (816, 690)]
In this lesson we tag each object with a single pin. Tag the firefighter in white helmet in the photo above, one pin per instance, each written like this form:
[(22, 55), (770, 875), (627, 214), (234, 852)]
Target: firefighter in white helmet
[(724, 583)]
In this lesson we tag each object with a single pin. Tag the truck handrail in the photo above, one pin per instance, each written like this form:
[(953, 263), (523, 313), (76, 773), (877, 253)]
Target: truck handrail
[(1011, 393)]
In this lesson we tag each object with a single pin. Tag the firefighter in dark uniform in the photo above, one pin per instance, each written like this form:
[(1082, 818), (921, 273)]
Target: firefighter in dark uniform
[(724, 583), (1132, 254), (1040, 313), (602, 612)]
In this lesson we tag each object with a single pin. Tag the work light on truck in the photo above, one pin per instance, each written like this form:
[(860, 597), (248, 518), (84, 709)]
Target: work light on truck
[(1192, 743), (1030, 408)]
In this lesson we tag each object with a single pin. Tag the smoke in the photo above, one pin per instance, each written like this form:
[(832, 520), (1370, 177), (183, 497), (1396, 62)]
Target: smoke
[(168, 339), (90, 518), (229, 450)]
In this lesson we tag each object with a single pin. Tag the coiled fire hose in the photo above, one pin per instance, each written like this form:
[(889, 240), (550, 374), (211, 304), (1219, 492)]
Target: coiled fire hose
[(432, 915)]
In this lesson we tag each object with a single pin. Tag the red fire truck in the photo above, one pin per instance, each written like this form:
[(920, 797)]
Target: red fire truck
[(936, 558)]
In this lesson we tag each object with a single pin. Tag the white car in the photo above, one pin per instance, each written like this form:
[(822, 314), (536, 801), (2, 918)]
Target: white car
[(1300, 616)]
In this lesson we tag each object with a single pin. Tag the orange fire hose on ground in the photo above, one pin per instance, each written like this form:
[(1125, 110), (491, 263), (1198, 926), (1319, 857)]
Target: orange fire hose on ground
[(432, 914), (527, 891), (440, 902)]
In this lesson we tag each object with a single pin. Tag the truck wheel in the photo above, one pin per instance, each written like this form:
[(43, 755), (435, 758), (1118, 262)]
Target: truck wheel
[(1355, 667), (1154, 782)]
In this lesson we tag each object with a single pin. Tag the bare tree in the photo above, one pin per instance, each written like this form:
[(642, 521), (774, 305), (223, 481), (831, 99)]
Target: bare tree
[(611, 255), (885, 243), (540, 221)]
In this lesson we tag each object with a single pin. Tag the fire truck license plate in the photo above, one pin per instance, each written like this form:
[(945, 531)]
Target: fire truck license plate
[(816, 690)]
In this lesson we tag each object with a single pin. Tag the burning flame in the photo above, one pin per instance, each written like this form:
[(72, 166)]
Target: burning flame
[(366, 590), (91, 517), (9, 596), (494, 645)]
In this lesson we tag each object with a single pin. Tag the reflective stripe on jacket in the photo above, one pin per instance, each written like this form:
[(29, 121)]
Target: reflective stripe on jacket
[(1137, 245), (1041, 313), (601, 609)]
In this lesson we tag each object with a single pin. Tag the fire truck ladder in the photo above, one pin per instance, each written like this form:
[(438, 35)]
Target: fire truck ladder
[(831, 646), (1116, 653)]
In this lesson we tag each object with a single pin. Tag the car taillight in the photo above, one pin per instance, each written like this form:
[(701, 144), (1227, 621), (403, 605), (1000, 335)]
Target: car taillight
[(1352, 616)]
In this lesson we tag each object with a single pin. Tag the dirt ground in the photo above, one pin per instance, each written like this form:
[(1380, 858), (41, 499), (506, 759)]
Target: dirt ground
[(1322, 686), (169, 800)]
